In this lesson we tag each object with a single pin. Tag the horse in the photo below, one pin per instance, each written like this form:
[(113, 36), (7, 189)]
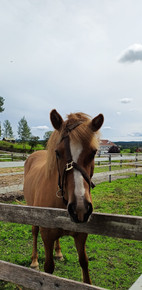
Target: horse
[(64, 170)]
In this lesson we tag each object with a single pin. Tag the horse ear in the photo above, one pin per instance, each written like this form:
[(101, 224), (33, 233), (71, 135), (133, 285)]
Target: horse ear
[(56, 119), (97, 122)]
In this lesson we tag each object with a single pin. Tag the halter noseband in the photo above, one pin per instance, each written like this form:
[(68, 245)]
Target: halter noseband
[(70, 165)]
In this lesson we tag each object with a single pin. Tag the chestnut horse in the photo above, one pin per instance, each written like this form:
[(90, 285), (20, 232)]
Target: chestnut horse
[(64, 170)]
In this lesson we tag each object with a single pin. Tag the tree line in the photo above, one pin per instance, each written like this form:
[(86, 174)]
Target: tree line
[(24, 131)]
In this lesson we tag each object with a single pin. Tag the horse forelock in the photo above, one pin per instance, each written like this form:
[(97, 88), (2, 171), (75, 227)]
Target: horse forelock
[(82, 133)]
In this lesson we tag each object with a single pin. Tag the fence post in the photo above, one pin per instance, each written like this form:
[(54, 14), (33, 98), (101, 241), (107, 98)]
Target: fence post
[(120, 160), (136, 164), (109, 167), (12, 156)]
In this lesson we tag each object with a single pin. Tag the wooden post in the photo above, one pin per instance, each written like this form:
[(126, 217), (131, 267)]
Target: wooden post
[(136, 164), (110, 167), (12, 156), (120, 160)]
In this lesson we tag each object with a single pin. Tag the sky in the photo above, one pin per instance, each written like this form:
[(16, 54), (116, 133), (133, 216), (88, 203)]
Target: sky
[(72, 56)]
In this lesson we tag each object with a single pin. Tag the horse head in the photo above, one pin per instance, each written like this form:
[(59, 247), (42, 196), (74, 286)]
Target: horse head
[(75, 152)]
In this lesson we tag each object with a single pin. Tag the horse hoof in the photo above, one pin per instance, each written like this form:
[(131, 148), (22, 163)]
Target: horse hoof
[(60, 258), (35, 267)]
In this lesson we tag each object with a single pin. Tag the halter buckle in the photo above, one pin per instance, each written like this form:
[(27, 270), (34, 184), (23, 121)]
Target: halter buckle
[(59, 191), (69, 166)]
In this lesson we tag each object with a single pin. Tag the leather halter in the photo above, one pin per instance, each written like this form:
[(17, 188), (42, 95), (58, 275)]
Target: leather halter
[(70, 165)]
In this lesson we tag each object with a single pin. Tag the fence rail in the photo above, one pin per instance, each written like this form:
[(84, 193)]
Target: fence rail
[(32, 279), (113, 225), (115, 160), (13, 156)]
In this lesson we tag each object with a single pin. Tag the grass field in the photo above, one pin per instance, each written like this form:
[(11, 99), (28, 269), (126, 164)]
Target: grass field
[(18, 147), (114, 263)]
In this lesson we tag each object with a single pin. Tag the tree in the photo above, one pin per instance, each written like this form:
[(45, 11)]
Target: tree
[(114, 149), (1, 110), (33, 141), (1, 104), (24, 131), (47, 135), (7, 131)]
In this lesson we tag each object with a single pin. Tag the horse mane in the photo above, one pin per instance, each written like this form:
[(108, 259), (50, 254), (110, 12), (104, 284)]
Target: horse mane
[(82, 133)]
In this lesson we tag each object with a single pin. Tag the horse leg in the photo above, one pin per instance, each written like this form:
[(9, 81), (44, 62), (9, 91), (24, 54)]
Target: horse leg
[(48, 246), (34, 264), (80, 240), (58, 253)]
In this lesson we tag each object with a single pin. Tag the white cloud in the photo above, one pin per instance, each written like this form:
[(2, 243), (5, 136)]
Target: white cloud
[(41, 128), (131, 54), (107, 128), (126, 100), (118, 113), (135, 134)]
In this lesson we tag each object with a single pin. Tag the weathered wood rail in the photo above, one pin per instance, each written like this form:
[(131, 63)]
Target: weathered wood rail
[(135, 165), (13, 156), (116, 172), (129, 227), (35, 280), (113, 225)]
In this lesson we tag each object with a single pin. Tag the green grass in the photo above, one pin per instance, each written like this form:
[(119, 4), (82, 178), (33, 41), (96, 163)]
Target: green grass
[(113, 263), (18, 147)]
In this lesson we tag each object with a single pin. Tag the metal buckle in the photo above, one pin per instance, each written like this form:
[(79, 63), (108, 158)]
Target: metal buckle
[(57, 193), (69, 166)]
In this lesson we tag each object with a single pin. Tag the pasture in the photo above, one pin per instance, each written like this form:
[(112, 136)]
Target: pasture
[(113, 263)]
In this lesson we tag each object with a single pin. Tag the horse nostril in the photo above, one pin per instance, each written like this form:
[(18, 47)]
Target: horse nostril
[(71, 209), (89, 209)]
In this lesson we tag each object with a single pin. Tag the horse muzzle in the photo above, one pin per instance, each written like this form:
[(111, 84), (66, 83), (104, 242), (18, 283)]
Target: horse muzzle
[(80, 215)]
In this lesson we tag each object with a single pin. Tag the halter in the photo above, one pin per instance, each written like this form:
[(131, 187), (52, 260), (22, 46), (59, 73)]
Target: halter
[(70, 165)]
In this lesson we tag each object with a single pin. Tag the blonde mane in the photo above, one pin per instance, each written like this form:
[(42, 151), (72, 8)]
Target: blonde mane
[(82, 133)]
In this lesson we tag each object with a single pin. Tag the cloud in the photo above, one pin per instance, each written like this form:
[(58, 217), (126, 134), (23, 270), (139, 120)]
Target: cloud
[(107, 128), (136, 134), (131, 54), (118, 113), (41, 128), (126, 100)]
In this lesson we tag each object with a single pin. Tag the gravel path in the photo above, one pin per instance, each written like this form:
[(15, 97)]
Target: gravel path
[(12, 164)]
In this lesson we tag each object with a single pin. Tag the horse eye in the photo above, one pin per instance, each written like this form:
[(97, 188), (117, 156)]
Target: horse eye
[(92, 155), (57, 154)]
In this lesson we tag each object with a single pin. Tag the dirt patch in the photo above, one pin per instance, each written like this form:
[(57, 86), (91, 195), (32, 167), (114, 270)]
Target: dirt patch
[(11, 196), (10, 180)]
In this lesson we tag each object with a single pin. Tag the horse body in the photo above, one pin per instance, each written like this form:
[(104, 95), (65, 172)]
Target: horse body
[(37, 185), (75, 146)]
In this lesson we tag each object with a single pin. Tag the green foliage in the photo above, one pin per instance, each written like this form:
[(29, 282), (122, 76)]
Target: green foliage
[(1, 104), (33, 141), (7, 131), (128, 145), (47, 135), (18, 147), (114, 263), (24, 131)]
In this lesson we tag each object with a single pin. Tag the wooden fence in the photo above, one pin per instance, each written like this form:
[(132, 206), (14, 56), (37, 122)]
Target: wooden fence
[(13, 156), (129, 163), (121, 226)]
